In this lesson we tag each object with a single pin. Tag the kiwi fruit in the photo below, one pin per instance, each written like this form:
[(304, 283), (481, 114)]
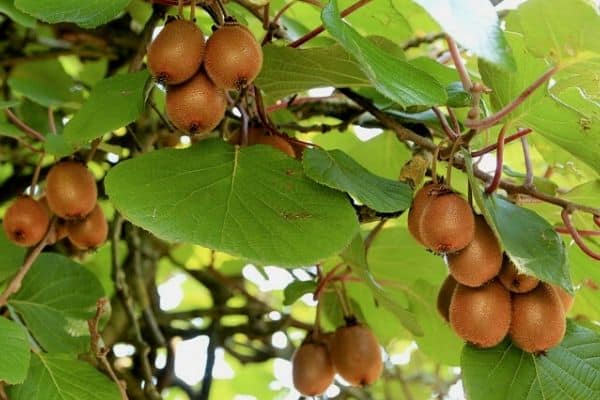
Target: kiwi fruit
[(514, 280), (258, 136), (312, 369), (445, 297), (197, 106), (175, 55), (233, 57), (566, 298), (447, 223), (480, 261), (26, 221), (71, 190), (90, 232), (356, 355), (481, 315), (418, 205), (538, 319)]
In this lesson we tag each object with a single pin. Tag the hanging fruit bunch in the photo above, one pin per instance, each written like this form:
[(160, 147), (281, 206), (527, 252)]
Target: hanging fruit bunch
[(485, 297), (197, 73)]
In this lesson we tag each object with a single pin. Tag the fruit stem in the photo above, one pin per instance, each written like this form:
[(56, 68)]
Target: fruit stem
[(436, 154), (452, 135), (455, 146), (324, 281), (180, 8), (566, 217), (51, 122), (492, 147), (460, 67), (29, 131), (342, 301), (36, 174), (499, 162), (528, 163)]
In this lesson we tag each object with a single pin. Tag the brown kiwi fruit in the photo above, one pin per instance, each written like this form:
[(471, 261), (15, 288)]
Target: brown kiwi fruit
[(481, 315), (480, 261), (196, 106), (356, 355), (71, 190), (447, 223), (175, 55), (514, 280), (538, 319), (565, 298), (90, 232), (26, 221), (445, 297), (233, 57), (418, 205), (312, 369), (258, 136)]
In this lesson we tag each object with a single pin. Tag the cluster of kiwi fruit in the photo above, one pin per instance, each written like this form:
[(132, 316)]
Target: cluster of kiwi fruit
[(71, 197), (197, 72), (352, 351), (485, 297)]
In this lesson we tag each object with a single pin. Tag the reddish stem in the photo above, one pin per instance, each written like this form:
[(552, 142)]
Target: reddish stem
[(499, 162), (324, 281), (317, 31), (509, 139), (460, 67), (564, 229), (32, 133), (566, 217), (493, 119), (597, 220), (444, 122)]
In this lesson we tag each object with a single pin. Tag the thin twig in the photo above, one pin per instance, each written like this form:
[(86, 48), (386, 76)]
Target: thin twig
[(566, 217), (460, 67), (452, 116), (373, 234), (36, 174), (495, 118), (491, 188), (315, 32), (452, 135), (29, 131), (508, 139), (528, 163), (565, 230), (51, 122)]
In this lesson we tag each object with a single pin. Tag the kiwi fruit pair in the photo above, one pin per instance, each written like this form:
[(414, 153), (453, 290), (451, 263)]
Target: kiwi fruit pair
[(352, 351), (198, 73)]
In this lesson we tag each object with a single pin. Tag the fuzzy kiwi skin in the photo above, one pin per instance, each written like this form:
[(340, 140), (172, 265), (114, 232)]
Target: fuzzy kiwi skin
[(445, 297), (259, 136), (481, 315), (356, 355), (447, 223), (90, 232), (480, 261), (176, 54), (197, 106), (565, 298), (312, 369), (233, 57), (418, 205), (71, 190), (26, 221), (515, 281), (538, 319)]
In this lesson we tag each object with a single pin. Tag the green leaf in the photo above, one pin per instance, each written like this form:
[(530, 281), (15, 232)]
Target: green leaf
[(457, 96), (474, 24), (381, 18), (528, 239), (394, 78), (44, 82), (7, 7), (287, 71), (297, 289), (9, 103), (254, 202), (55, 291), (568, 371), (11, 259), (63, 377), (15, 352), (582, 75), (337, 170), (88, 14), (567, 30), (118, 99)]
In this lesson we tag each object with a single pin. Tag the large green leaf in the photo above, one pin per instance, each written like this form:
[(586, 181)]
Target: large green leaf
[(567, 30), (568, 371), (474, 24), (528, 239), (394, 78), (382, 18), (254, 202), (15, 352), (7, 7), (339, 171), (11, 259), (88, 14), (44, 82), (113, 103), (54, 292), (287, 71), (63, 377)]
